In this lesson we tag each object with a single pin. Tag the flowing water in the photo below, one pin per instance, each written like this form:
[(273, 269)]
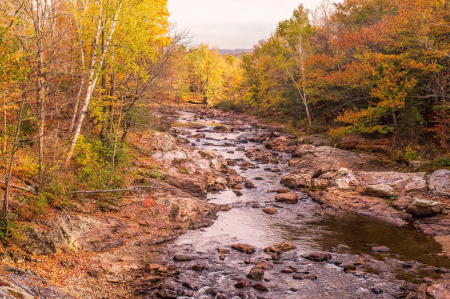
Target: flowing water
[(307, 225)]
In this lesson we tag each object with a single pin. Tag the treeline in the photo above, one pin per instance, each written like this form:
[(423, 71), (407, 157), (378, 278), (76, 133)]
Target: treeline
[(75, 77), (379, 68)]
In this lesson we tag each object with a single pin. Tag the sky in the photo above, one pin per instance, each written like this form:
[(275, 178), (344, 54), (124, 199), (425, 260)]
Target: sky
[(232, 24)]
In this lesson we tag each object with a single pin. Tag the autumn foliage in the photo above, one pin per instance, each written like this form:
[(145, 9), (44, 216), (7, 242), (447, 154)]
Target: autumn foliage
[(372, 67)]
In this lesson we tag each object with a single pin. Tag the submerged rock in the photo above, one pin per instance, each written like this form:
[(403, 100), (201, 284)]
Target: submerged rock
[(317, 256)]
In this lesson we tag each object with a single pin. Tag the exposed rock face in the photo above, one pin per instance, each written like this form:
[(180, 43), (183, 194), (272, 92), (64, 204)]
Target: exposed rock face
[(156, 141), (439, 183), (313, 157), (298, 179), (262, 156), (424, 208), (17, 283)]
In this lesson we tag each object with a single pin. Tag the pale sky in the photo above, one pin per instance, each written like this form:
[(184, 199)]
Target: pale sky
[(231, 24)]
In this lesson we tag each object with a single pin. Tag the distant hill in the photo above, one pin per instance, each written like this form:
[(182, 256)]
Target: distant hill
[(235, 51)]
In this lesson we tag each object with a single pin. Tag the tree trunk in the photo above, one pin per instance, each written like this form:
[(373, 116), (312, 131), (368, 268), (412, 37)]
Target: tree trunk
[(397, 132), (93, 77), (11, 160)]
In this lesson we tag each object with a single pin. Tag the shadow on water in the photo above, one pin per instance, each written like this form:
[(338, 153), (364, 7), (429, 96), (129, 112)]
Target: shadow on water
[(360, 233)]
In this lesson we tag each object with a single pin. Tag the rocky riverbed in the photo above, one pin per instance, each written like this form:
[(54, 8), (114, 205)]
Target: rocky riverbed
[(238, 209), (305, 221)]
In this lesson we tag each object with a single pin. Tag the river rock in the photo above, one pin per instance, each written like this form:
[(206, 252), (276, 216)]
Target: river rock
[(198, 136), (280, 144), (440, 291), (379, 190), (349, 267), (222, 296), (424, 208), (245, 283), (249, 185), (298, 179), (439, 182), (289, 197), (231, 162), (183, 258), (270, 210), (243, 248), (282, 191), (317, 256), (167, 294), (263, 156), (223, 129), (238, 193), (287, 270), (223, 250), (280, 247), (261, 287), (221, 180), (190, 285), (256, 273)]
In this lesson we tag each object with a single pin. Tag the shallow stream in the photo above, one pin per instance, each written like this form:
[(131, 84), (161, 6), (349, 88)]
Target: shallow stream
[(307, 225)]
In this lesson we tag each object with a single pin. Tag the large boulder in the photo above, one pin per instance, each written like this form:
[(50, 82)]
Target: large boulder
[(424, 208), (439, 183), (298, 179)]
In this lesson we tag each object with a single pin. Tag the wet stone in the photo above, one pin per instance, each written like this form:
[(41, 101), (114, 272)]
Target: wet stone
[(198, 268), (243, 248), (238, 193), (270, 211), (183, 258), (256, 273), (317, 256), (245, 283), (223, 250), (280, 247), (222, 296), (349, 267), (190, 285), (247, 261), (167, 294), (261, 287), (287, 270)]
